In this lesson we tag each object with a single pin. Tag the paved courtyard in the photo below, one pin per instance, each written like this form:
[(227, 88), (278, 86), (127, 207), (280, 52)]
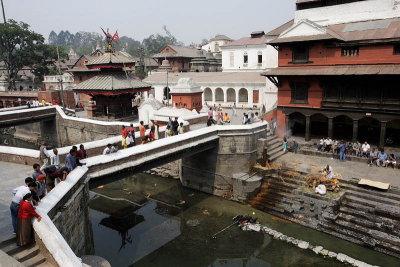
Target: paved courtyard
[(11, 176), (347, 170)]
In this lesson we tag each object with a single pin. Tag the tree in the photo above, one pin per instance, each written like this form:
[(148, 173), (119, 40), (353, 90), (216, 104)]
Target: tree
[(154, 43), (20, 47)]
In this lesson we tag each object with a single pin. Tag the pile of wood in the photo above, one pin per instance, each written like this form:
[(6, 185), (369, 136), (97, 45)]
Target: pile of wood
[(313, 180)]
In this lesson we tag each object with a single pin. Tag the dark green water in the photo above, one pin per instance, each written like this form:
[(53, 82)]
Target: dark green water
[(173, 227)]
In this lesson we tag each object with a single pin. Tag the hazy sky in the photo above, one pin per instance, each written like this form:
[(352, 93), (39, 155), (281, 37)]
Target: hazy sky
[(190, 21)]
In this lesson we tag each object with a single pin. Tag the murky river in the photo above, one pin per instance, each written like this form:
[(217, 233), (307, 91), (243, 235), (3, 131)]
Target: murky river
[(146, 220)]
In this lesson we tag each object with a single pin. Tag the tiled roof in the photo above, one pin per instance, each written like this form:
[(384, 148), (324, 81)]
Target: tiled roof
[(221, 37), (363, 31), (110, 82), (280, 29), (248, 41), (180, 52), (110, 58)]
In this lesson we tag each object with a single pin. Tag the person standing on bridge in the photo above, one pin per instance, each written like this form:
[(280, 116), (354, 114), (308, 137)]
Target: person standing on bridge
[(234, 109), (168, 132), (124, 136), (175, 125), (70, 161), (180, 128), (18, 194), (44, 155), (156, 130), (142, 129), (43, 102), (24, 225)]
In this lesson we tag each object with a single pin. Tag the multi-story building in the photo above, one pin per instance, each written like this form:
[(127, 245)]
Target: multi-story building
[(249, 54), (337, 75), (214, 46)]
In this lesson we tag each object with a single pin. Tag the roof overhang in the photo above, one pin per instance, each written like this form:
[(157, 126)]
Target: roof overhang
[(111, 93), (345, 70)]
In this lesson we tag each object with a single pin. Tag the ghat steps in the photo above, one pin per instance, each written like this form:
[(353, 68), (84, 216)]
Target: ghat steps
[(28, 255), (361, 215)]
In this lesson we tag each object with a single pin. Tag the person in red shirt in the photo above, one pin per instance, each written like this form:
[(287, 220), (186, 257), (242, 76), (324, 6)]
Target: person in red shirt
[(124, 136), (54, 102), (152, 136), (132, 131), (24, 225)]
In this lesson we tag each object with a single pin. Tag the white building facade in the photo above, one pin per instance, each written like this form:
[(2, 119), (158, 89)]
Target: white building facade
[(249, 54), (349, 12), (247, 89), (52, 82)]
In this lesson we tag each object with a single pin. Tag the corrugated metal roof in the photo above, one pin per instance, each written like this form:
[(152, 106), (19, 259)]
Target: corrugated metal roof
[(110, 82), (389, 69)]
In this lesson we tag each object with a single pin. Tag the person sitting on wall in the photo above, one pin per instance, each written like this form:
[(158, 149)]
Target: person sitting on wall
[(365, 149), (328, 144), (227, 119), (373, 156), (321, 143), (55, 159), (146, 139), (356, 148), (391, 161), (382, 157), (109, 149)]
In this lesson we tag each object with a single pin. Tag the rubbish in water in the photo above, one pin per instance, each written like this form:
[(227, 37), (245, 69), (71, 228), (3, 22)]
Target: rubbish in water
[(193, 222), (181, 202), (148, 195), (238, 219), (282, 220), (101, 186), (191, 195)]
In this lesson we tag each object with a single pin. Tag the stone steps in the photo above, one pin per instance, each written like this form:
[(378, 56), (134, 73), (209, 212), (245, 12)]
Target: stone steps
[(394, 195), (28, 255), (373, 197)]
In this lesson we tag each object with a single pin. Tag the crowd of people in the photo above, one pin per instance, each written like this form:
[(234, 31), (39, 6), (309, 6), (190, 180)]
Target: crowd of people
[(216, 116), (42, 181), (373, 155)]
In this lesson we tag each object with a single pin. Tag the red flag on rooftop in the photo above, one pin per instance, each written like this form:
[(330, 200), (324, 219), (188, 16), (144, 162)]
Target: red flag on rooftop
[(105, 33), (115, 37)]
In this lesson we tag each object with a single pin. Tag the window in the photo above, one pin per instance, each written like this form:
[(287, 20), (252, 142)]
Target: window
[(350, 51), (232, 59), (396, 50), (260, 58), (245, 58), (167, 50), (300, 54), (299, 93)]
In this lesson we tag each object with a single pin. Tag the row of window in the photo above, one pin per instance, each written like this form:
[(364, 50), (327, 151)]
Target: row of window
[(300, 54), (245, 58)]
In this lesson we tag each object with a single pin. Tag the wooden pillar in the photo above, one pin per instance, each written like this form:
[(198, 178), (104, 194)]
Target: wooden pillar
[(355, 130), (383, 134), (330, 127), (287, 127), (308, 127)]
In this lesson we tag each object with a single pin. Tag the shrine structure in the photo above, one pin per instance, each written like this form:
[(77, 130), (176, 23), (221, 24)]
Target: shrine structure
[(112, 89)]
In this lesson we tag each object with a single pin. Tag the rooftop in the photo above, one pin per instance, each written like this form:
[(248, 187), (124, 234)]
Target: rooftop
[(111, 82), (206, 78), (256, 38), (110, 58), (179, 51), (221, 37)]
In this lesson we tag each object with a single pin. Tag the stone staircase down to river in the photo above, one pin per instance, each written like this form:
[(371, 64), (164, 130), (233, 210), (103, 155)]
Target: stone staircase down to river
[(274, 147), (28, 255), (361, 215)]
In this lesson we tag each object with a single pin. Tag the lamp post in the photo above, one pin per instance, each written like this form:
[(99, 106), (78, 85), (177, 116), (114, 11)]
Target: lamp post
[(60, 80), (7, 46), (167, 91)]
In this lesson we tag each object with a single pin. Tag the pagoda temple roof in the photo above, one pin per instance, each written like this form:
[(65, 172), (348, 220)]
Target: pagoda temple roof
[(111, 83), (110, 58)]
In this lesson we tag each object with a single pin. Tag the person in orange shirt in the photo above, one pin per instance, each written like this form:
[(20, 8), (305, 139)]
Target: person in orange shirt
[(142, 129), (124, 136), (227, 119)]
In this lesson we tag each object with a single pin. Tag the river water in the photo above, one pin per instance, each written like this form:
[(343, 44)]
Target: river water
[(146, 220)]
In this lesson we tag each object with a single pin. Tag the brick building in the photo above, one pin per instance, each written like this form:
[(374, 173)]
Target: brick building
[(339, 79)]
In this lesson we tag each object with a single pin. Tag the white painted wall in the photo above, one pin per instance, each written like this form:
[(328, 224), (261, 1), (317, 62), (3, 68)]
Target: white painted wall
[(352, 12), (270, 58)]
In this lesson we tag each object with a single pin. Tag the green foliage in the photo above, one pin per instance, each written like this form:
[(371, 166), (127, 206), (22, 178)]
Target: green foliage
[(140, 72), (154, 43), (21, 47)]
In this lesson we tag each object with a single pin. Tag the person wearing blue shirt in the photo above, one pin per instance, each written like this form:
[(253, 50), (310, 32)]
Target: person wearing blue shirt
[(342, 149), (70, 161), (382, 156)]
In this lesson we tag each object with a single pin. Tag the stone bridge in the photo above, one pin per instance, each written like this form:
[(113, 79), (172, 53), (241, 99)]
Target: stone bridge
[(23, 116)]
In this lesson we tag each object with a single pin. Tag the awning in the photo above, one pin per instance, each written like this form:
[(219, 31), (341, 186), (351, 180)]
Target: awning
[(389, 69)]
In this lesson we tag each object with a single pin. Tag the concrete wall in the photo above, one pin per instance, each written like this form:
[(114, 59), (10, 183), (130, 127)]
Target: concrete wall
[(212, 171)]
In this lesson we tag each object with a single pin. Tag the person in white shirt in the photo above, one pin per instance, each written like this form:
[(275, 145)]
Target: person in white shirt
[(18, 194), (44, 155), (328, 172), (129, 140), (320, 189), (328, 144), (109, 149), (256, 118), (55, 159), (365, 148)]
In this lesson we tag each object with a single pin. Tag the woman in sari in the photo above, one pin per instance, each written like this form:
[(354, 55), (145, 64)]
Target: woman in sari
[(24, 225)]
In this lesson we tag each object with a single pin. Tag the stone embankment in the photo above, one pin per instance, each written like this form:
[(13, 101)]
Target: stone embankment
[(358, 214), (319, 250), (169, 170)]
